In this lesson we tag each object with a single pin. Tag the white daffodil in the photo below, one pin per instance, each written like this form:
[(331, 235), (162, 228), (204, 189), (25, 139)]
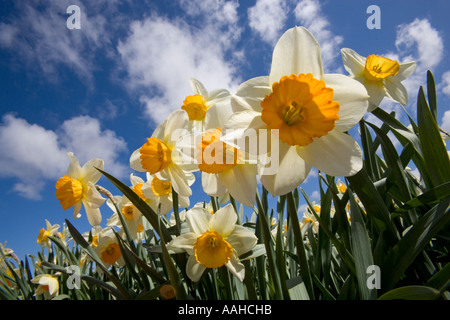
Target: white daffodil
[(381, 76), (162, 156), (160, 191), (48, 285), (224, 169), (206, 110), (310, 219), (77, 187), (50, 230), (108, 249), (306, 111), (132, 216), (214, 241)]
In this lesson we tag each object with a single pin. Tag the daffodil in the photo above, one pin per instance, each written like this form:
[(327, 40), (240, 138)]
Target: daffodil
[(77, 187), (50, 230), (381, 76), (132, 216), (309, 219), (225, 169), (214, 241), (162, 156), (160, 191), (108, 249), (206, 109), (48, 285), (306, 111)]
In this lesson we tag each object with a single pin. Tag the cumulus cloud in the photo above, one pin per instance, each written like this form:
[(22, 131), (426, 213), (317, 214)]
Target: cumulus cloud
[(267, 19), (34, 155), (444, 86), (310, 15), (420, 42), (445, 123), (161, 54), (40, 40)]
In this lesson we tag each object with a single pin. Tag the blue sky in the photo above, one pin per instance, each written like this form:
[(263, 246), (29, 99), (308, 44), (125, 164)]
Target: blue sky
[(101, 90)]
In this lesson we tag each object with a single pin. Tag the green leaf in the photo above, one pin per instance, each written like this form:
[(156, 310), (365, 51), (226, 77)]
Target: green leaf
[(361, 249), (140, 204), (411, 293), (298, 239), (433, 147), (373, 203), (441, 280), (414, 241)]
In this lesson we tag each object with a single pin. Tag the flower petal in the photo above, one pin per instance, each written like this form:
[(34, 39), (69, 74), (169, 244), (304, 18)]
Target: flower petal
[(242, 239), (352, 97), (135, 161), (406, 70), (74, 170), (93, 214), (286, 179), (197, 219), (198, 87), (211, 185), (179, 180), (236, 267), (353, 62), (396, 91), (176, 127), (185, 242), (194, 270), (250, 94), (217, 115), (90, 172), (223, 221), (240, 181), (241, 124), (336, 154), (297, 51)]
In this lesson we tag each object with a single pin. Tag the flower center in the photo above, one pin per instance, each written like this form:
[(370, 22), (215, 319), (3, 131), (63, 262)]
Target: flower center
[(378, 68), (211, 250), (155, 155), (138, 190), (301, 108), (214, 155), (68, 191), (127, 212), (161, 188), (195, 107), (43, 235), (111, 253)]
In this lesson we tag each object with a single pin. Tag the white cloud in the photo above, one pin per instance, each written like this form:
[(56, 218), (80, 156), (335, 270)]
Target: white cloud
[(445, 122), (160, 55), (34, 155), (444, 86), (40, 40), (418, 41), (267, 18), (309, 14)]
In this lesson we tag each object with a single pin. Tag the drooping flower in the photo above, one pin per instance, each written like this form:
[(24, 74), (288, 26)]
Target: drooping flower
[(48, 285), (206, 109), (108, 249), (77, 187), (225, 169), (161, 155), (307, 111), (214, 241), (50, 230), (381, 76)]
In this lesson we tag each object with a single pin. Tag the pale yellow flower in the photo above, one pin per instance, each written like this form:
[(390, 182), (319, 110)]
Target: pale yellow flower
[(381, 76), (48, 285), (77, 187)]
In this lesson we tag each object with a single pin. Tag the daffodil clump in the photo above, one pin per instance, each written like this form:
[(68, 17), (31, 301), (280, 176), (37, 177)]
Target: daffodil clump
[(258, 235)]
